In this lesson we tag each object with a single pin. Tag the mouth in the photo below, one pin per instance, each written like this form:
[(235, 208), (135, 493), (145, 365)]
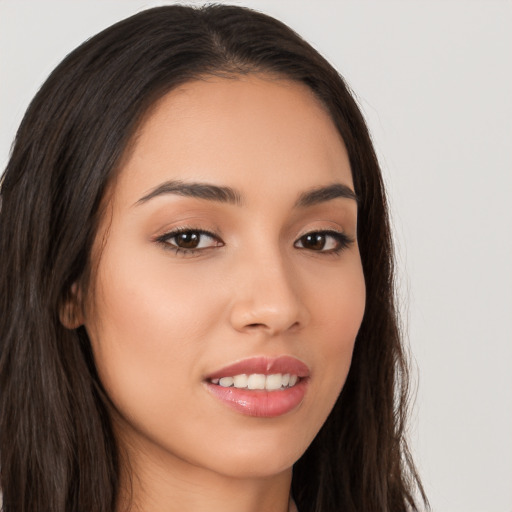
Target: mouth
[(262, 387), (253, 381)]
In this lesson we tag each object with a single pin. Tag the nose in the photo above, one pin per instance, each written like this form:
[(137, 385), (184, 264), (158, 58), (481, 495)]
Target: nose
[(267, 297)]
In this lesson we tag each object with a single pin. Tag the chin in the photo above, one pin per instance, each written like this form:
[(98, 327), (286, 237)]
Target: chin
[(257, 466), (260, 455)]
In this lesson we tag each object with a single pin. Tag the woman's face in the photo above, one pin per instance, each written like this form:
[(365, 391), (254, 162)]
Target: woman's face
[(230, 240)]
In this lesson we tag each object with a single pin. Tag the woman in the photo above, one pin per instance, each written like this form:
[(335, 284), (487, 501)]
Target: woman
[(197, 281)]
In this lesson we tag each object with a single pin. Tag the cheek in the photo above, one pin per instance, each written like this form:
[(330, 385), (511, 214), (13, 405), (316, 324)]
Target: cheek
[(152, 302), (339, 306), (146, 334), (337, 317), (345, 312)]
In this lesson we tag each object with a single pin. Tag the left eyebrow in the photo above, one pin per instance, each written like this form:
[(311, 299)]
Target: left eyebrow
[(324, 194)]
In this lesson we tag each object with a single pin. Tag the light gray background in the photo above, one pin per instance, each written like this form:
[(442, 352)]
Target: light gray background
[(434, 81)]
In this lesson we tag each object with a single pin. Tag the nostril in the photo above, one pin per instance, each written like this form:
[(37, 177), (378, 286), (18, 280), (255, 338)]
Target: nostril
[(262, 325)]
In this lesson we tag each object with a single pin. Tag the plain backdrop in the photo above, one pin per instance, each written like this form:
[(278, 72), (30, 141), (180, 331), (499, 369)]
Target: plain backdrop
[(434, 81)]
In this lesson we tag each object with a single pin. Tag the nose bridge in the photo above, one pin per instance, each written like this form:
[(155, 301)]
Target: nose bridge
[(268, 296)]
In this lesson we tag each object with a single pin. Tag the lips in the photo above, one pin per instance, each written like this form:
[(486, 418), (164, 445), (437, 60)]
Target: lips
[(264, 366), (261, 386)]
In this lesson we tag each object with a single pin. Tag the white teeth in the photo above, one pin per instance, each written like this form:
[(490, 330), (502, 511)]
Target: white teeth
[(225, 382), (274, 382), (258, 381), (240, 381)]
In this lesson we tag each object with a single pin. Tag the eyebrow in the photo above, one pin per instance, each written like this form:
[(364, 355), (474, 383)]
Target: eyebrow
[(324, 194), (231, 196), (198, 190)]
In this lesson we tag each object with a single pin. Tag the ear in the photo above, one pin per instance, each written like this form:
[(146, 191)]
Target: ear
[(70, 311)]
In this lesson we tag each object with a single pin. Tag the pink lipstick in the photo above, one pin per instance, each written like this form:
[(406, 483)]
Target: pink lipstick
[(261, 386)]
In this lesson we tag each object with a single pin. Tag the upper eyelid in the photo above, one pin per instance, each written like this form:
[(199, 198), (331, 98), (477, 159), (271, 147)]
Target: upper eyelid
[(328, 231), (216, 233), (323, 230), (169, 233)]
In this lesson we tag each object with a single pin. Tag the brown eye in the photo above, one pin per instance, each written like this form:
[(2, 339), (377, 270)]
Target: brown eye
[(323, 241), (187, 240), (313, 241)]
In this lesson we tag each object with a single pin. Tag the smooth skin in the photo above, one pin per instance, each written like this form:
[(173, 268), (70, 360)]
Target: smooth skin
[(162, 317)]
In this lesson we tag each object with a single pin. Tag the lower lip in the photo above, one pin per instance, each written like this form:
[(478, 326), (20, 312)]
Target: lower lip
[(259, 402)]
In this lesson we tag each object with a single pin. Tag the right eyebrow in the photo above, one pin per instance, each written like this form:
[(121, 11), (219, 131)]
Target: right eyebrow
[(194, 189)]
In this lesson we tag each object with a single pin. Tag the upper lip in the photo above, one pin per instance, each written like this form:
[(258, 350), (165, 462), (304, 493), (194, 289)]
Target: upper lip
[(263, 365)]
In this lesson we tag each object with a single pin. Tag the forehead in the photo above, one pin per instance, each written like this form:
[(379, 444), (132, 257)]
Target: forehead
[(236, 131)]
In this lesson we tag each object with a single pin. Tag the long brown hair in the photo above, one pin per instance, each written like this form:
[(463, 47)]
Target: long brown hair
[(57, 449)]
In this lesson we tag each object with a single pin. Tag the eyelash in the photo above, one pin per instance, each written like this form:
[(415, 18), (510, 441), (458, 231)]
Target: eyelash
[(182, 251), (341, 239)]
